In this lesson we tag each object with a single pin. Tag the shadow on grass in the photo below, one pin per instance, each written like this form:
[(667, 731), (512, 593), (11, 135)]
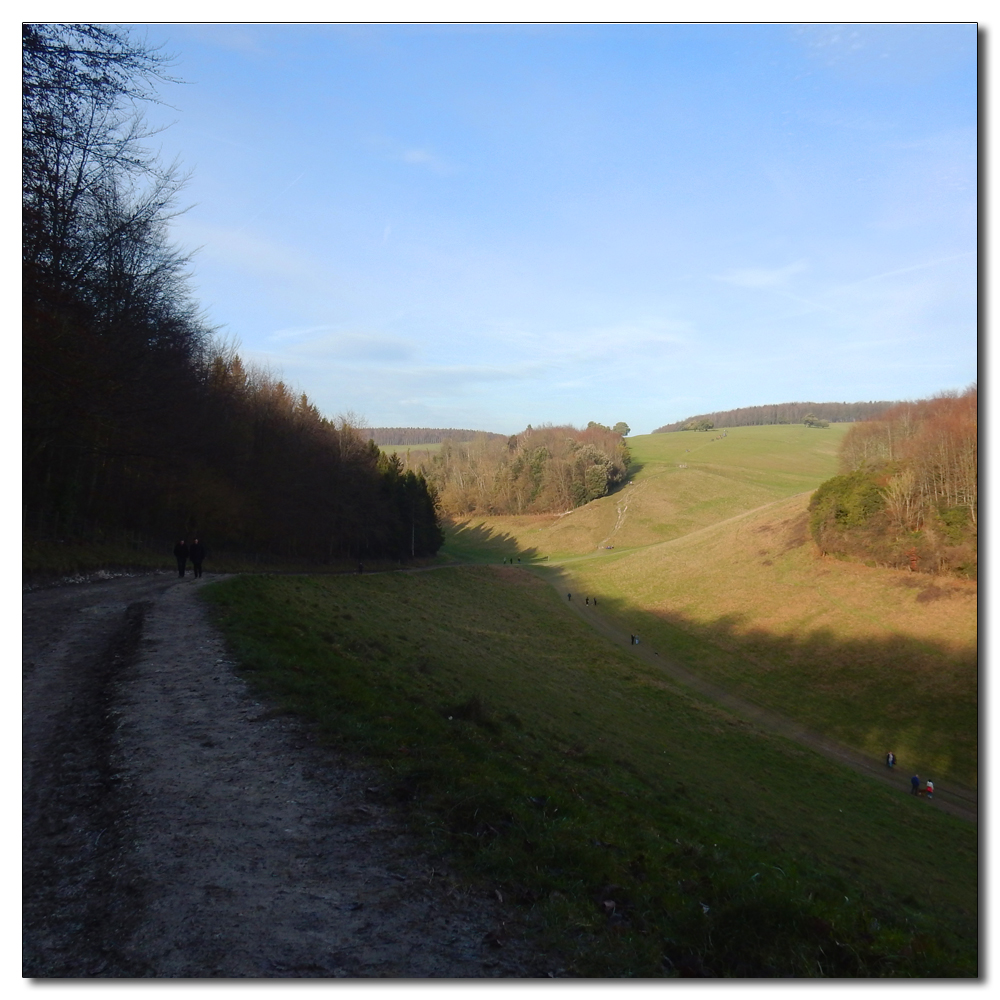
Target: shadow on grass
[(480, 544), (915, 697)]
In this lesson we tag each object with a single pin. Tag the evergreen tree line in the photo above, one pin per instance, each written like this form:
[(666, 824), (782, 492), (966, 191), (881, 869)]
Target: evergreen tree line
[(907, 494), (780, 413), (383, 436), (134, 416), (541, 470)]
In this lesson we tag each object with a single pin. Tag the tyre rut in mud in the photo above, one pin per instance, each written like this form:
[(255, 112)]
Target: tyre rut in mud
[(80, 897)]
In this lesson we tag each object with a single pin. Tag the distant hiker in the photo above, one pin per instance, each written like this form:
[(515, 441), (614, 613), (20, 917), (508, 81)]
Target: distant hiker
[(890, 760), (181, 555), (915, 785), (631, 640), (361, 567), (586, 601), (518, 560), (929, 789), (595, 602), (197, 554), (569, 597)]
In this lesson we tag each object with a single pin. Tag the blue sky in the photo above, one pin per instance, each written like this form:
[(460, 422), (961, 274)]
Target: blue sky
[(493, 226)]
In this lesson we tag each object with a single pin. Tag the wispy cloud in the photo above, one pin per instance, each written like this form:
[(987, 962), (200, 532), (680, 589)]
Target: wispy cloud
[(422, 157), (913, 267), (236, 37), (425, 158), (761, 277), (318, 344)]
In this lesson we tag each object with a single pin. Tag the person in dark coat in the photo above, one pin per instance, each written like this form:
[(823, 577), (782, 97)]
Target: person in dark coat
[(915, 785), (181, 555), (197, 554)]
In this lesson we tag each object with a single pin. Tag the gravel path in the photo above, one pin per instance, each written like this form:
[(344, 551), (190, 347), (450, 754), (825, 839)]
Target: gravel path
[(174, 827)]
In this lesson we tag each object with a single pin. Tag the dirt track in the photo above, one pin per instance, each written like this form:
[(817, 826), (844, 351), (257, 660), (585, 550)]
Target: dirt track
[(173, 827)]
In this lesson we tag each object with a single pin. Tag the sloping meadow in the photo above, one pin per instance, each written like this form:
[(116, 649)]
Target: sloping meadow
[(880, 659), (638, 830)]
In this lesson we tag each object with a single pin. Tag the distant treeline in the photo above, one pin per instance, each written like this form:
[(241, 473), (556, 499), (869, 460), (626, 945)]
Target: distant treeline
[(424, 435), (780, 413), (134, 418), (541, 470), (908, 493)]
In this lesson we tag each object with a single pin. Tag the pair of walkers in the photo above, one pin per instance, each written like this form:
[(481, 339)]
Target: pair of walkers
[(915, 788), (195, 552)]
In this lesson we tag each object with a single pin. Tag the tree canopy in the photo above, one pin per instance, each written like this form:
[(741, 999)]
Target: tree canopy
[(134, 416)]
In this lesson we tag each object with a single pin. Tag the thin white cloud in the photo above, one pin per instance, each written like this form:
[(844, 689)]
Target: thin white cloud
[(761, 277), (416, 156), (297, 332), (341, 347), (913, 267), (428, 160), (236, 37)]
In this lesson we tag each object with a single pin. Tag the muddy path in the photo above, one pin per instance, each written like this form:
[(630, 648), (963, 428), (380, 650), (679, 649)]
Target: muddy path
[(174, 826)]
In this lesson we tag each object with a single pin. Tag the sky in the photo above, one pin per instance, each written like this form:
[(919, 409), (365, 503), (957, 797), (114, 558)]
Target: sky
[(490, 226)]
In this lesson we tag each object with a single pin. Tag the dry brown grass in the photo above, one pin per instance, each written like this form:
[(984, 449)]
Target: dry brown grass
[(884, 659)]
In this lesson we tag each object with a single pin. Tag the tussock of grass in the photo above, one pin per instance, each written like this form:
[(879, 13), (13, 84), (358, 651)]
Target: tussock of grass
[(649, 833)]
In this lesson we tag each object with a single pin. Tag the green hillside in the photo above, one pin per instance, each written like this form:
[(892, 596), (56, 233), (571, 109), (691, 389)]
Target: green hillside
[(680, 482), (712, 562), (636, 829)]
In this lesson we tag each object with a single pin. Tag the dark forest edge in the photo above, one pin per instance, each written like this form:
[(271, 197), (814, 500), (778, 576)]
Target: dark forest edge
[(137, 422)]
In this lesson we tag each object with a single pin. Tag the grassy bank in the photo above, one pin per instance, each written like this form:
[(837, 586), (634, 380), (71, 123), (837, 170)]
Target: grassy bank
[(645, 831), (879, 659)]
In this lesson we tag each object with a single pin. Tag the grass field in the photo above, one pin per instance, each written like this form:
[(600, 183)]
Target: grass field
[(680, 483), (879, 659), (643, 831)]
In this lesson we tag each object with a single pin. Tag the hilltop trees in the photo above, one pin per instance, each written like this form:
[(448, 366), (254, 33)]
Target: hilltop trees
[(780, 413), (540, 470), (134, 418), (908, 492)]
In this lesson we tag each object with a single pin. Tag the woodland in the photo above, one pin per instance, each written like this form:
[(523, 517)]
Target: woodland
[(779, 413), (541, 470), (412, 436), (136, 417), (907, 495)]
